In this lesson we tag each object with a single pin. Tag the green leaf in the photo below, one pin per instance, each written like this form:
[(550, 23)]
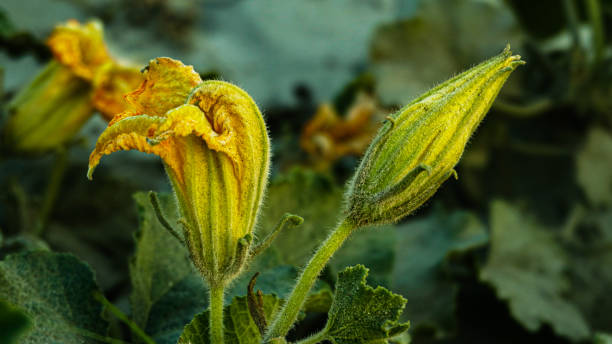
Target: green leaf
[(167, 290), (56, 292), (602, 338), (320, 298), (422, 273), (362, 314), (526, 266), (239, 326), (588, 239), (14, 323), (593, 167), (310, 195)]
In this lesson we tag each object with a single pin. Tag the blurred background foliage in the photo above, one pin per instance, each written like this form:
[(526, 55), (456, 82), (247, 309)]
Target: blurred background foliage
[(519, 249)]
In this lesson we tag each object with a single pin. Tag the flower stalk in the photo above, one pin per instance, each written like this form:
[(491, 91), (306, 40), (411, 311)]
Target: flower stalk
[(285, 318), (216, 293), (412, 155)]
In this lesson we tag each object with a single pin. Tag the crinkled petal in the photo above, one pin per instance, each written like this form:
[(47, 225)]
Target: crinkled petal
[(167, 85), (80, 47), (111, 84), (127, 134)]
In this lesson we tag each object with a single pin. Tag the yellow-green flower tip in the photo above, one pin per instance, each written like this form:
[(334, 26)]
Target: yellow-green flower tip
[(418, 147)]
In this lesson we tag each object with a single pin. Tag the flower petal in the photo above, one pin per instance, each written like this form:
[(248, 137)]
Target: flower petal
[(111, 83), (167, 85), (80, 47), (127, 134)]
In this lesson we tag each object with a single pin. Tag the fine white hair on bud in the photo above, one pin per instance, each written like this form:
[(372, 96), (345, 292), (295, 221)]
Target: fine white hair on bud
[(418, 147)]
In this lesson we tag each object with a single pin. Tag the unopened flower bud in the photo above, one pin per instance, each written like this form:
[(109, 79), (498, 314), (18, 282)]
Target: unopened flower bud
[(418, 147)]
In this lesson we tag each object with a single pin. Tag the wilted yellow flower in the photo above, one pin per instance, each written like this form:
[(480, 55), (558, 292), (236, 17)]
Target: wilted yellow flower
[(417, 149), (215, 148), (328, 136), (82, 78)]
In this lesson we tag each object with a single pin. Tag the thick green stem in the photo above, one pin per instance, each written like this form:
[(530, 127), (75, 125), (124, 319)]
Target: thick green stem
[(216, 312), (286, 317)]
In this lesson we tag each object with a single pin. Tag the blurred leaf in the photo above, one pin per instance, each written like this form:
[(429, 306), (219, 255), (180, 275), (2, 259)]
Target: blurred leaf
[(373, 247), (593, 167), (167, 290), (362, 314), (310, 195), (589, 242), (420, 273), (21, 243), (56, 291), (526, 267), (239, 326), (7, 27), (274, 280), (320, 299), (445, 37), (14, 323), (602, 338)]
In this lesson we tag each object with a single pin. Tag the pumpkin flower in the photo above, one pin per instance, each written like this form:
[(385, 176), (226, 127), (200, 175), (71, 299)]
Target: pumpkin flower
[(81, 78), (328, 136), (418, 147), (214, 145)]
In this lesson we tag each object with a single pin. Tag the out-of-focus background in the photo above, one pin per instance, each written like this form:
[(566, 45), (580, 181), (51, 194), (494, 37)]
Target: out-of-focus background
[(518, 249)]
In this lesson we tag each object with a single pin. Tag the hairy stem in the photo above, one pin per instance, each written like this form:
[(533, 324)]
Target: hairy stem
[(284, 320), (216, 312)]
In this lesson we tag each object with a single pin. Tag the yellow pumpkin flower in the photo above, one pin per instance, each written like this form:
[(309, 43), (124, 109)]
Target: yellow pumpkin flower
[(214, 145), (81, 78)]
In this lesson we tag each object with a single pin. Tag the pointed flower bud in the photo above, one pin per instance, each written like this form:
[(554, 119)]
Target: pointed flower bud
[(82, 78), (418, 147), (215, 148)]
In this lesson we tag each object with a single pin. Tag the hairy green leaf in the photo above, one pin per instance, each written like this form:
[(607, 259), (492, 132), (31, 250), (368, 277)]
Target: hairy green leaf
[(421, 272), (526, 266), (239, 326), (56, 292), (13, 323), (167, 290), (362, 314)]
